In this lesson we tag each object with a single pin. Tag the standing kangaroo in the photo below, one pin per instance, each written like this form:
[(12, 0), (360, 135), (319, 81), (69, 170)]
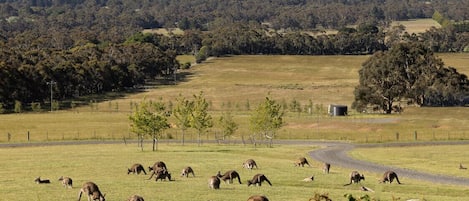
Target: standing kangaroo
[(214, 182), (39, 181), (355, 177), (390, 176), (186, 171), (302, 162), (250, 164), (157, 167), (162, 174), (135, 198), (258, 198), (258, 179), (229, 175), (92, 191), (326, 167), (136, 169), (66, 181)]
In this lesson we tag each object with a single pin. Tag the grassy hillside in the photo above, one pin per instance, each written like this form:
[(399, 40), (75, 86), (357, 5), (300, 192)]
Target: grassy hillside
[(238, 84)]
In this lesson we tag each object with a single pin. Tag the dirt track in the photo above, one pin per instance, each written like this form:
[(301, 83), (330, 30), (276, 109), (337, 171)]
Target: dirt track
[(334, 153)]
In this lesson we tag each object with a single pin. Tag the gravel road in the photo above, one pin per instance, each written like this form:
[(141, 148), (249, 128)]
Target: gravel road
[(334, 153)]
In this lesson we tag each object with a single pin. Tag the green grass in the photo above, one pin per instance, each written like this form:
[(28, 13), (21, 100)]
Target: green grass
[(21, 165)]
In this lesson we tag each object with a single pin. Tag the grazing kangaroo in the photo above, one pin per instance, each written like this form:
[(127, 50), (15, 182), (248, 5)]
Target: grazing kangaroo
[(250, 164), (39, 181), (326, 167), (158, 164), (66, 181), (92, 191), (390, 176), (186, 171), (302, 162), (229, 175), (136, 198), (136, 169), (214, 182), (162, 174), (258, 179), (355, 177), (258, 198)]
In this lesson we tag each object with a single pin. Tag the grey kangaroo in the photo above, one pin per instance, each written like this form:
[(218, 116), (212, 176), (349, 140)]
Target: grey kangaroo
[(214, 182), (258, 179), (250, 164), (136, 169), (302, 162), (91, 190), (136, 198), (355, 177), (229, 175), (186, 171), (66, 181), (390, 176)]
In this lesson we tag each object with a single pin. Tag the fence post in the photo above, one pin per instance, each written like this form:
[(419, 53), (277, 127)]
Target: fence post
[(28, 136), (397, 136), (415, 135), (9, 137)]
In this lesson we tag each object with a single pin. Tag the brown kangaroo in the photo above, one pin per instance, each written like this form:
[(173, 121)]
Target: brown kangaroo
[(186, 171), (302, 162), (66, 181), (214, 182), (258, 179), (162, 174), (258, 198), (136, 198), (229, 175), (326, 167), (39, 181), (250, 164), (136, 169), (390, 176), (355, 177), (158, 164), (92, 191)]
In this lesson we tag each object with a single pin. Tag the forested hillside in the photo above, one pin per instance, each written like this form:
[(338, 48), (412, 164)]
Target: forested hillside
[(95, 46)]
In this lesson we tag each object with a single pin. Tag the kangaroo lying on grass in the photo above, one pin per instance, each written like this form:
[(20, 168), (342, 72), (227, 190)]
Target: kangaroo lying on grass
[(39, 181), (258, 198), (355, 177), (229, 175), (136, 198), (302, 162), (390, 176), (136, 169), (250, 164), (258, 179), (186, 171), (66, 181), (214, 182), (92, 191)]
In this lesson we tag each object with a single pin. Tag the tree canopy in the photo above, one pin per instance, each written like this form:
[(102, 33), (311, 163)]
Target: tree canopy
[(408, 73)]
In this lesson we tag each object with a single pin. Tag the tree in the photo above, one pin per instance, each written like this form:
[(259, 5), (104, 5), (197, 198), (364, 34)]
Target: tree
[(200, 119), (228, 125), (149, 118), (267, 119), (182, 112)]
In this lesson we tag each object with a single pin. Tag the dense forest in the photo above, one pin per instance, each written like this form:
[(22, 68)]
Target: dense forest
[(96, 46)]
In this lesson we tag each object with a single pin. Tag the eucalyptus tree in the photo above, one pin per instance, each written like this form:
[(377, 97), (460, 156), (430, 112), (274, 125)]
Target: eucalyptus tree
[(149, 118), (266, 119)]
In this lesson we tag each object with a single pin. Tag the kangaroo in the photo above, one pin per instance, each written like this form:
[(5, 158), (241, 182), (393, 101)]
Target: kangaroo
[(355, 177), (302, 162), (258, 198), (309, 179), (39, 181), (186, 171), (158, 164), (214, 182), (250, 164), (136, 169), (92, 191), (162, 174), (229, 175), (390, 176), (326, 168), (135, 198), (258, 179), (66, 181)]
